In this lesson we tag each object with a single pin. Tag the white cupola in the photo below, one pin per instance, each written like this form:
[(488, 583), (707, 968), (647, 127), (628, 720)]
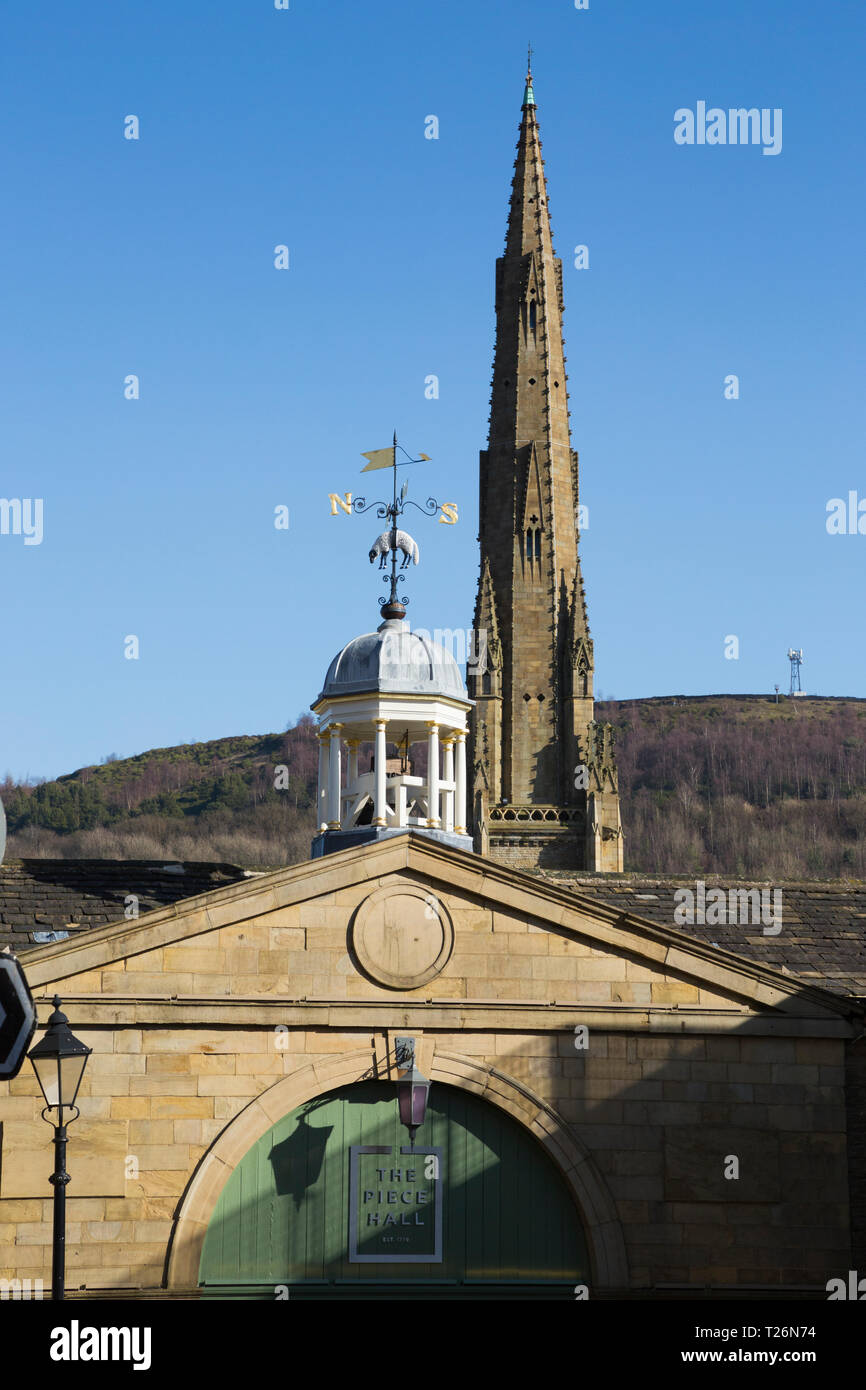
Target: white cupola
[(391, 687)]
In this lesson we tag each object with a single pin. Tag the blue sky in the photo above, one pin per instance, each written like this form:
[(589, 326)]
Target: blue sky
[(261, 387)]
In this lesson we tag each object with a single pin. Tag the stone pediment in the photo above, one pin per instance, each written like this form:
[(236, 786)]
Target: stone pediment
[(410, 920)]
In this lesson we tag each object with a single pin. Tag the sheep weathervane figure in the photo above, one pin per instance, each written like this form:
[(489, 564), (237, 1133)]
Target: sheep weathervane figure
[(393, 540)]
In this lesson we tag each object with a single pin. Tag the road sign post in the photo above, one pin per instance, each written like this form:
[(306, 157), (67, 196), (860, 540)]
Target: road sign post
[(17, 1016)]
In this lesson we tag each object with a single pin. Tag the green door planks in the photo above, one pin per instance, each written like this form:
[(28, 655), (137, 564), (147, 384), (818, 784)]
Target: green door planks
[(309, 1211)]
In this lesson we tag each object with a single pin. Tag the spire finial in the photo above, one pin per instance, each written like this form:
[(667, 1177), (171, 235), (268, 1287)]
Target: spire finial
[(528, 96)]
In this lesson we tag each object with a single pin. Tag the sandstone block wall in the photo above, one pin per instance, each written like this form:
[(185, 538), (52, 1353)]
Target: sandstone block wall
[(195, 1018)]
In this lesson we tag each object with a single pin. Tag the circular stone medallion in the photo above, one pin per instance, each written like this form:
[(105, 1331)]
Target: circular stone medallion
[(402, 936)]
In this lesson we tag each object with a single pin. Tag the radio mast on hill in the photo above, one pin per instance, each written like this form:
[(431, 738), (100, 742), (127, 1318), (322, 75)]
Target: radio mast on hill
[(795, 656)]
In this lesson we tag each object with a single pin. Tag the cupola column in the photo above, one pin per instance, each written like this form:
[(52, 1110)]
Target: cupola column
[(433, 819), (460, 794), (381, 764), (334, 777), (322, 799), (448, 750)]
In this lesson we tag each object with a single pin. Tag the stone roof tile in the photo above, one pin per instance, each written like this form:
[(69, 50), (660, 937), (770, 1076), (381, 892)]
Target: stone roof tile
[(72, 895), (823, 928), (823, 935)]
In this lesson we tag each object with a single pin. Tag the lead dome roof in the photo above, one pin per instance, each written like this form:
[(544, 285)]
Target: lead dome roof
[(395, 660)]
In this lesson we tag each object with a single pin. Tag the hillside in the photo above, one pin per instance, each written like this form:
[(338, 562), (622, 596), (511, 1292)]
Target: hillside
[(726, 784), (212, 801), (740, 785)]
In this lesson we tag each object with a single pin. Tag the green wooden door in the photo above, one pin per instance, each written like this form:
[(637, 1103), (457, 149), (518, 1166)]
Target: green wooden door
[(330, 1203)]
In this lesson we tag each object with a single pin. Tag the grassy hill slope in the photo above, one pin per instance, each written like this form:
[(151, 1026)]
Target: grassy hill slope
[(727, 784), (743, 786)]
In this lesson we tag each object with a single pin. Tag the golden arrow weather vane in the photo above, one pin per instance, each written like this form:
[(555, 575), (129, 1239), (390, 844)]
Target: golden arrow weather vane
[(386, 458)]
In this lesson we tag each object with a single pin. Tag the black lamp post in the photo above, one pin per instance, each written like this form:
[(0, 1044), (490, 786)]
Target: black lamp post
[(412, 1088), (59, 1060)]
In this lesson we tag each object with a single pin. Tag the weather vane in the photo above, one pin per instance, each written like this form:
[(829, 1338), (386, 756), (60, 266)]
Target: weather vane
[(393, 541)]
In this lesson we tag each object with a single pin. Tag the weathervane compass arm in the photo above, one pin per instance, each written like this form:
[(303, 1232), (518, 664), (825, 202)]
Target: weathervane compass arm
[(393, 540)]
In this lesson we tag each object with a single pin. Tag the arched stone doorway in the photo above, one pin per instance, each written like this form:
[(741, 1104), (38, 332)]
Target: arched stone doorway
[(332, 1201), (537, 1123)]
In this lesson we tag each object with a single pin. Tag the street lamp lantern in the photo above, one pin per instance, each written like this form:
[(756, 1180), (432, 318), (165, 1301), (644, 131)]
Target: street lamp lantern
[(59, 1059), (412, 1088)]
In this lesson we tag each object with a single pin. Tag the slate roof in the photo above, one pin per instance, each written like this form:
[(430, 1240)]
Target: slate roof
[(72, 895), (822, 939), (823, 928)]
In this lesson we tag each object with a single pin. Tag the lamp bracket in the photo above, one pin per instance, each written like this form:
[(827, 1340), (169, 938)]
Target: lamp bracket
[(58, 1124)]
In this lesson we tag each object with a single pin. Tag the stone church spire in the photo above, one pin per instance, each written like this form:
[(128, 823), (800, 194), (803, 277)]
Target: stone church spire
[(545, 788)]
